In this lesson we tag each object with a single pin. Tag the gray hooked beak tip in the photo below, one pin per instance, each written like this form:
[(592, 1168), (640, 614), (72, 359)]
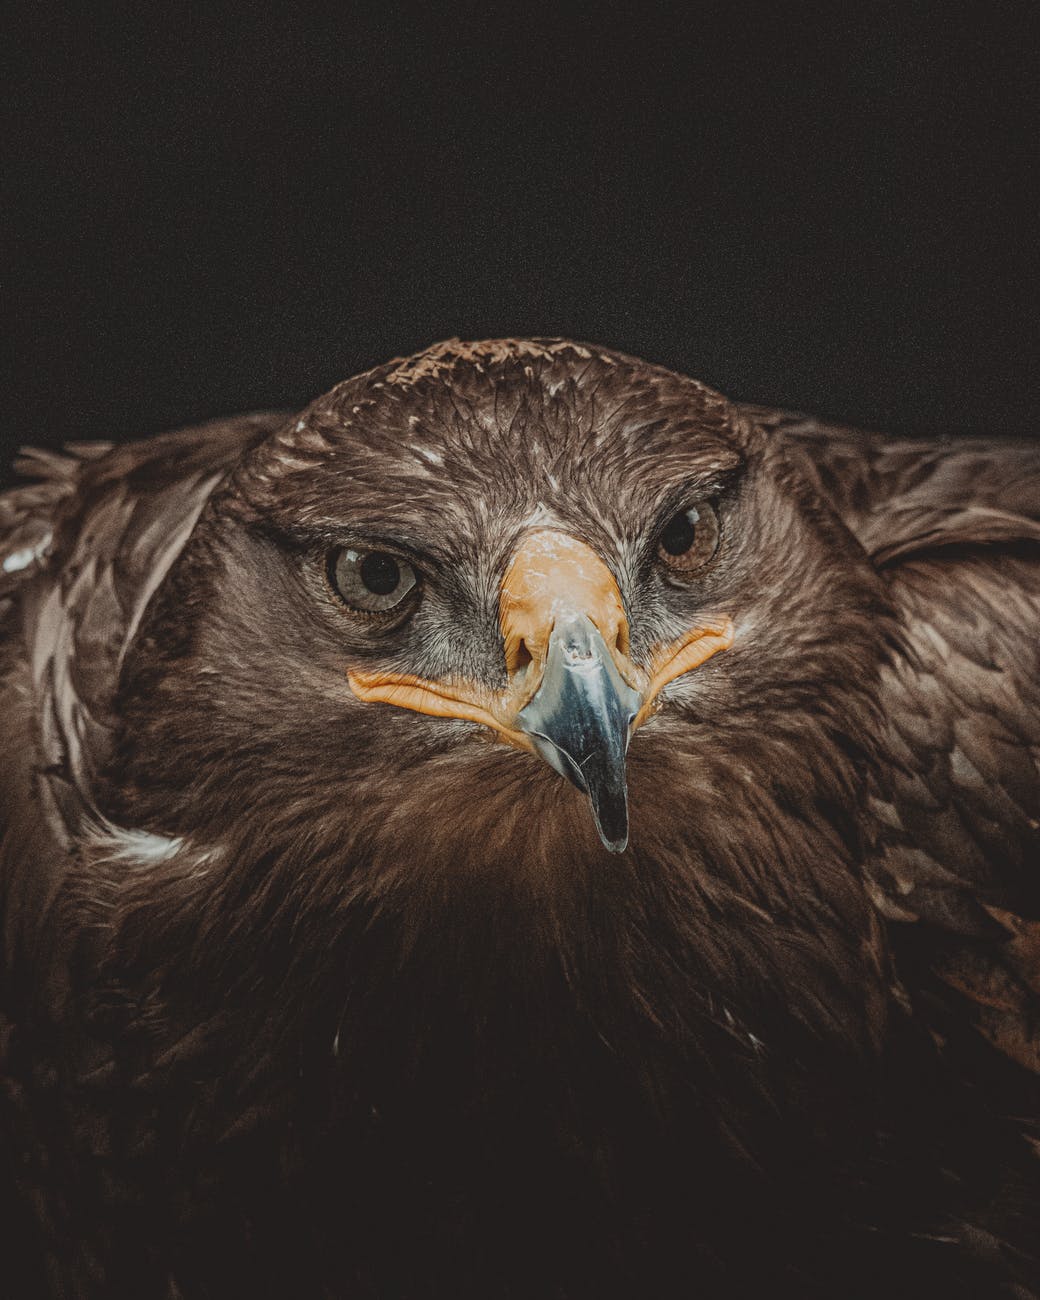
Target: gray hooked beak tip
[(580, 720)]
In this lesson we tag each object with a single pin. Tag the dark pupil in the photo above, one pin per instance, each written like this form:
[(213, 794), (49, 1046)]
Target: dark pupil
[(380, 573), (678, 536)]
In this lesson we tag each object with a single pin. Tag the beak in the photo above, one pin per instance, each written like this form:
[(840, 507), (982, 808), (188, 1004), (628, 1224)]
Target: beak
[(574, 696), (580, 721)]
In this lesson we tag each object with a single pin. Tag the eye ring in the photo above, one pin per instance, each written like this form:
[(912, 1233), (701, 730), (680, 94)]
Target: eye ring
[(689, 540), (370, 580)]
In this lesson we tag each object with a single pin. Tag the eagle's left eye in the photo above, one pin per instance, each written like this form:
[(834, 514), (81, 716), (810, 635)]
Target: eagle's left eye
[(689, 539), (370, 581)]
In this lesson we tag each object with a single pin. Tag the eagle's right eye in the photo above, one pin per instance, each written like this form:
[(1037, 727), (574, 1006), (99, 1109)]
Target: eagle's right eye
[(372, 582)]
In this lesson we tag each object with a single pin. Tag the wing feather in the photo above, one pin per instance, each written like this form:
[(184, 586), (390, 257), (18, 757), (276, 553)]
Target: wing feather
[(82, 551), (954, 530)]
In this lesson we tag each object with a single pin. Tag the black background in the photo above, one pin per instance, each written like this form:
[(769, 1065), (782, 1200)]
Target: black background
[(832, 210)]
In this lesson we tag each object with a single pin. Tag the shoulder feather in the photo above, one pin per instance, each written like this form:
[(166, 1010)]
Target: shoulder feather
[(97, 530)]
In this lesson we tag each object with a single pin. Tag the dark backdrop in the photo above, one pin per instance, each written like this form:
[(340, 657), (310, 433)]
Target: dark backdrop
[(833, 212)]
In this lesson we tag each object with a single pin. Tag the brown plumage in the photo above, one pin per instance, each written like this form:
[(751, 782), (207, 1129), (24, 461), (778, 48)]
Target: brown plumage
[(306, 995)]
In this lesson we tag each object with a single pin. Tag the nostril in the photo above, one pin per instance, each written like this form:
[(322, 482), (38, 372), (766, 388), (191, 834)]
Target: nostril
[(615, 635), (517, 656)]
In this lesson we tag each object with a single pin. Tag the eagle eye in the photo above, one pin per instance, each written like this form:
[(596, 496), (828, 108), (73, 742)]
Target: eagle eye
[(689, 539), (372, 582)]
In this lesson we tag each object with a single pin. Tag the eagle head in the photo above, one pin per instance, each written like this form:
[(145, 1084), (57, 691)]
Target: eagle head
[(525, 640)]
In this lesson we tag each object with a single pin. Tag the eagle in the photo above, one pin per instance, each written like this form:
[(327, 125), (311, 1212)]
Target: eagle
[(525, 827)]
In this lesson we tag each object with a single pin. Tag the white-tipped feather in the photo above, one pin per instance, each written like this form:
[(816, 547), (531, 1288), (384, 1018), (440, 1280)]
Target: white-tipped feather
[(111, 843), (26, 555)]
